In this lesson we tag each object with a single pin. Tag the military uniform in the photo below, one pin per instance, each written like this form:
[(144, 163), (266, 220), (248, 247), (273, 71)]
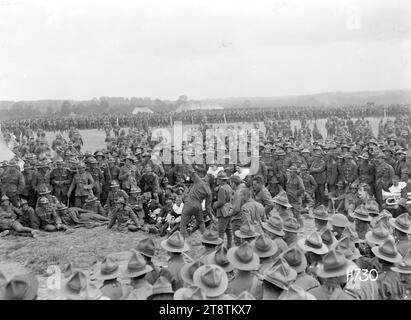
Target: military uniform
[(83, 184), (61, 180), (127, 177), (149, 183), (318, 171), (96, 207), (332, 173), (350, 171), (28, 191), (49, 219), (12, 184), (295, 191), (28, 218), (41, 179), (125, 217), (113, 196), (98, 178), (383, 179)]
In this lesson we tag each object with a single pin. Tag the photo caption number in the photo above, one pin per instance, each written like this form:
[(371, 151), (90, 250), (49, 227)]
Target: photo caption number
[(227, 309)]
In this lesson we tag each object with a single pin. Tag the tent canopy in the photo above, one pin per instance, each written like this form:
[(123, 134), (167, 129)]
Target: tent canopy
[(5, 153), (141, 109)]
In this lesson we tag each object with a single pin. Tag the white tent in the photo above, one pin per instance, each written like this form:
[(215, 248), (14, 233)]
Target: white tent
[(141, 109), (5, 153)]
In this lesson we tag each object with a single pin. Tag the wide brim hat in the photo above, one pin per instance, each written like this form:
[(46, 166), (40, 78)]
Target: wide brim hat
[(284, 204), (93, 293), (374, 241), (269, 228), (167, 245), (127, 273), (29, 281), (338, 272), (319, 251), (188, 294), (271, 250), (210, 259), (301, 266), (394, 223), (361, 214), (211, 241), (241, 235), (380, 255), (185, 271), (208, 290), (251, 265)]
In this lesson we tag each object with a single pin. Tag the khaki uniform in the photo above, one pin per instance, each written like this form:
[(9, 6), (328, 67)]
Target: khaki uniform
[(60, 179), (126, 219), (83, 182), (12, 184)]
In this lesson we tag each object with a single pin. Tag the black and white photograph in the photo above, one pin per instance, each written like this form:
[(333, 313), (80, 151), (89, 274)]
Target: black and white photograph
[(205, 150)]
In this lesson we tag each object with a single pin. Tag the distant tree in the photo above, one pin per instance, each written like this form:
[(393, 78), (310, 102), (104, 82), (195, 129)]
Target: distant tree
[(181, 100), (66, 108)]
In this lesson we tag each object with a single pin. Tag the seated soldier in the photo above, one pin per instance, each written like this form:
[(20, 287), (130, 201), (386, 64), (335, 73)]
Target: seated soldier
[(49, 219), (28, 217), (136, 203), (8, 219), (79, 217), (124, 216), (114, 194), (94, 205)]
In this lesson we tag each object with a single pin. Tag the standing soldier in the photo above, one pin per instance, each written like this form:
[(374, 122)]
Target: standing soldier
[(383, 177), (60, 179), (279, 167), (28, 192), (295, 191), (41, 178), (127, 175), (111, 172), (318, 171), (97, 175), (349, 169), (366, 171), (332, 170), (83, 184), (222, 208), (12, 182), (401, 165)]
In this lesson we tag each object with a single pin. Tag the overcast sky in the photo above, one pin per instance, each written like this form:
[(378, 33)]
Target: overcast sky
[(201, 48)]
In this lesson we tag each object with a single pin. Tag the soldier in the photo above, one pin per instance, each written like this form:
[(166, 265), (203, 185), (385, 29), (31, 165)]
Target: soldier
[(279, 167), (97, 175), (114, 194), (149, 181), (261, 194), (83, 184), (383, 177), (41, 178), (28, 192), (401, 165), (47, 214), (310, 186), (93, 204), (349, 168), (111, 172), (12, 182), (8, 219), (366, 170), (318, 171), (28, 217), (332, 170), (128, 174), (60, 179), (389, 156), (125, 217), (295, 190), (222, 208)]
